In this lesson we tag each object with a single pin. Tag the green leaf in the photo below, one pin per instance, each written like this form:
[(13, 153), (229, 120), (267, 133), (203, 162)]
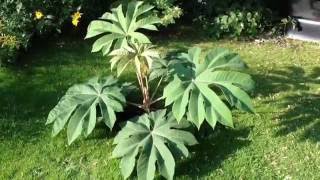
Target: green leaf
[(211, 115), (144, 9), (179, 106), (223, 58), (121, 66), (141, 38), (77, 120), (190, 91), (109, 16), (131, 14), (196, 108), (98, 27), (79, 106), (165, 161), (173, 91), (126, 145), (149, 27), (121, 29), (148, 22), (60, 114), (120, 43), (140, 56), (194, 54), (106, 48), (220, 107), (90, 121), (104, 41), (128, 162), (237, 97), (109, 116), (121, 19), (146, 166), (155, 139), (242, 80)]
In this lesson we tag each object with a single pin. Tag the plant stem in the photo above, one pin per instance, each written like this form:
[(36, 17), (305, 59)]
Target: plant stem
[(156, 90), (135, 104), (143, 83), (156, 100)]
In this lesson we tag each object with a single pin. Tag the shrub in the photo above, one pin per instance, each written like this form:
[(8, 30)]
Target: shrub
[(232, 18), (21, 20), (237, 23), (198, 89), (15, 24), (8, 44)]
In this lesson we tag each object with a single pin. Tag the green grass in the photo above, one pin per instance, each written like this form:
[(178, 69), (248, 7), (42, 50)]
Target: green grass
[(280, 141)]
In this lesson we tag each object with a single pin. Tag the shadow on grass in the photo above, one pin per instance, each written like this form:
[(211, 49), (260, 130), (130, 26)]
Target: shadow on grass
[(24, 106), (183, 35), (211, 152), (27, 99), (292, 78), (299, 109), (29, 90), (302, 114)]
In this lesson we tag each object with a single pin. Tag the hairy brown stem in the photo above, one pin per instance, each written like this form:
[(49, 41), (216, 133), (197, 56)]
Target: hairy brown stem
[(144, 87)]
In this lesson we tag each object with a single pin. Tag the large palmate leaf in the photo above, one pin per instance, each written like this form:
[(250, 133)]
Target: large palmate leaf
[(141, 56), (157, 139), (160, 68), (79, 107), (165, 67), (191, 89), (118, 28)]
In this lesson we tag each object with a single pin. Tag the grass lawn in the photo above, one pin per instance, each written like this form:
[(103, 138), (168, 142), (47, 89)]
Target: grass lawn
[(280, 142)]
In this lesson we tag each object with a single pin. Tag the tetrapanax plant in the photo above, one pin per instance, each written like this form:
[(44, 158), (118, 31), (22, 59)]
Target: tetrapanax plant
[(195, 87), (118, 28), (79, 107), (154, 136), (191, 90)]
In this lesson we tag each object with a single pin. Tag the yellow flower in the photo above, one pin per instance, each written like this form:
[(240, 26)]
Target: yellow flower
[(75, 22), (76, 18), (76, 15), (38, 15)]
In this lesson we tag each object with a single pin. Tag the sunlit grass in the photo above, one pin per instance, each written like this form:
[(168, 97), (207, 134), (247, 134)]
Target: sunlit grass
[(280, 141)]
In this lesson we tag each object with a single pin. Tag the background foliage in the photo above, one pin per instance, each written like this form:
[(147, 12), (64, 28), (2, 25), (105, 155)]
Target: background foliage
[(18, 18), (218, 19), (230, 18)]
